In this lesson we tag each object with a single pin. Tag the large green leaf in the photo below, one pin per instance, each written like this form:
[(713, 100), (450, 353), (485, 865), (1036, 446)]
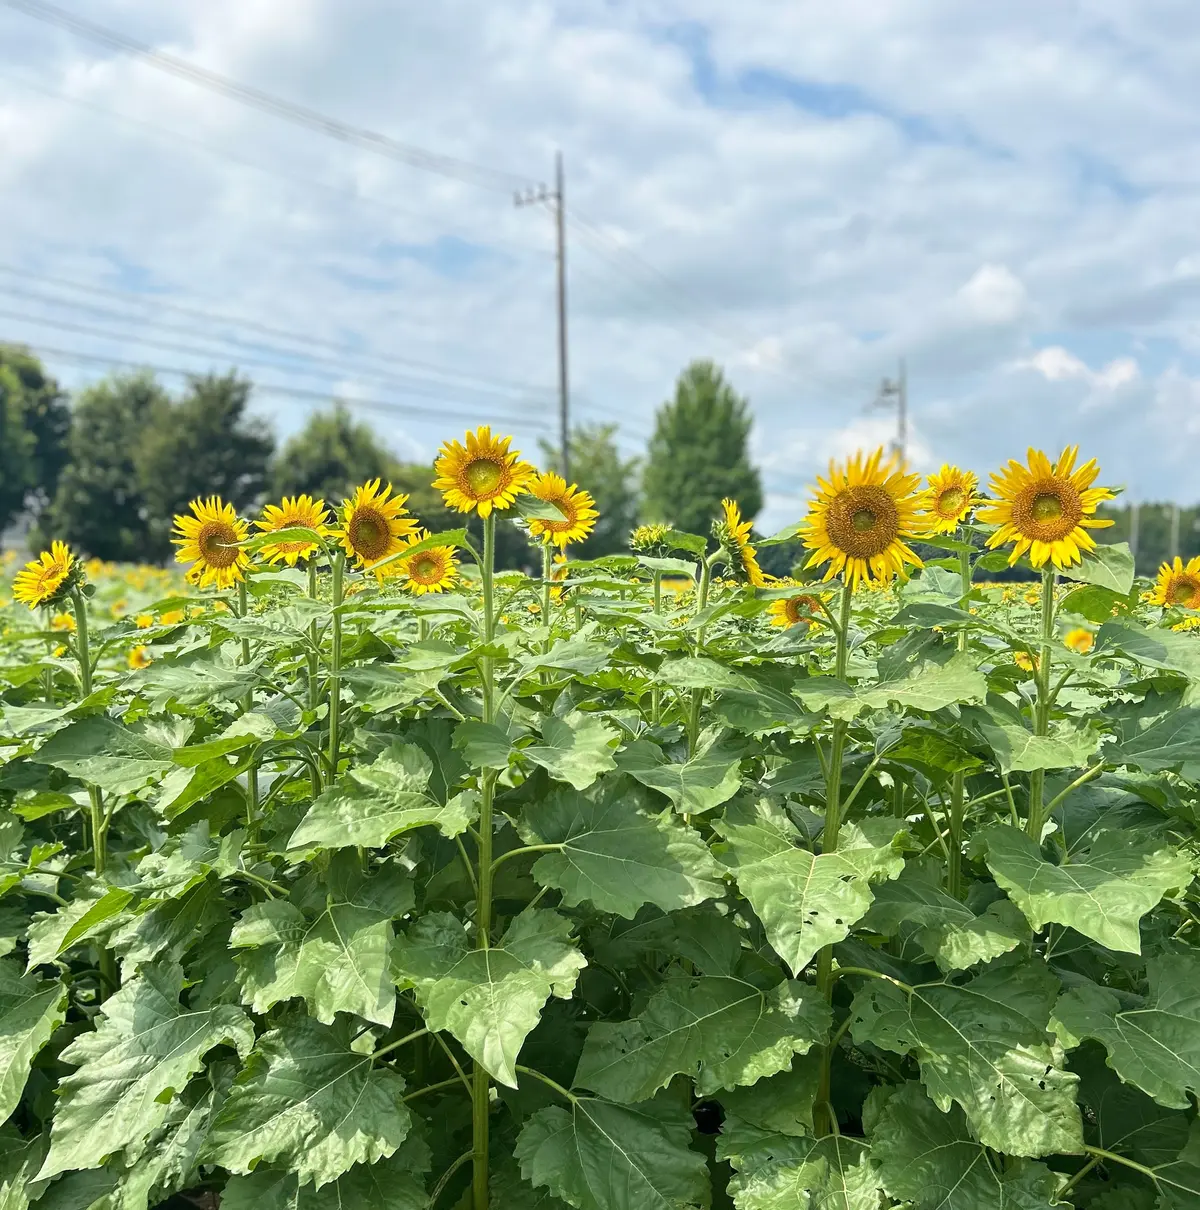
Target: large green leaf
[(797, 1172), (94, 912), (374, 803), (932, 686), (197, 678), (780, 1104), (1102, 894), (1157, 733), (984, 1045), (309, 1103), (705, 780), (576, 749), (1178, 1183), (1109, 566), (31, 1009), (1154, 1045), (805, 900), (719, 1031), (337, 959), (599, 1156), (1152, 645), (929, 1159), (99, 750), (19, 1161), (142, 1053), (489, 999), (1018, 750), (616, 853)]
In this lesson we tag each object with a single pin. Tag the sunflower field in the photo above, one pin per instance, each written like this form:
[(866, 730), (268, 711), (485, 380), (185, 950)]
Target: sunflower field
[(338, 868)]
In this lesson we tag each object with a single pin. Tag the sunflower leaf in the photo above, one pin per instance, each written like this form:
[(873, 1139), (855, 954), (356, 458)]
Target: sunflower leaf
[(1109, 566)]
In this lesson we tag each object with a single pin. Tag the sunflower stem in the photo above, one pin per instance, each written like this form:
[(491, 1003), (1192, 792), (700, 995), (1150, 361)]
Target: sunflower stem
[(656, 693), (547, 567), (1041, 711), (247, 706), (314, 657), (959, 782), (824, 1120), (693, 727), (335, 664)]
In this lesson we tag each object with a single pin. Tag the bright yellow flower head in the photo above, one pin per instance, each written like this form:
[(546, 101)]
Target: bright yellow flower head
[(45, 579), (1177, 585), (482, 475), (860, 517), (373, 524), (209, 542), (1046, 510), (172, 617), (62, 621), (578, 505), (798, 610), (431, 570), (1024, 660), (139, 657), (1080, 640), (291, 512), (948, 500), (734, 534), (143, 621)]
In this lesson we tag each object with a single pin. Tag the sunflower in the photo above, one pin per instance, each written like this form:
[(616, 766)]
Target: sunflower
[(734, 534), (47, 578), (1187, 624), (139, 657), (1025, 661), (1079, 640), (790, 611), (859, 519), (1178, 584), (948, 500), (431, 570), (373, 524), (1046, 510), (292, 512), (577, 506), (652, 539), (143, 621), (209, 542), (63, 621), (172, 617), (482, 475)]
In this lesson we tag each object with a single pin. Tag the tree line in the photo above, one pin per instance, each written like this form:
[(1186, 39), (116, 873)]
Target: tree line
[(107, 468)]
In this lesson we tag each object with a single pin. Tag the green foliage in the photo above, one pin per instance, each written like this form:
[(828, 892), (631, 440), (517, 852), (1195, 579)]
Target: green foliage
[(34, 420), (330, 456), (699, 453)]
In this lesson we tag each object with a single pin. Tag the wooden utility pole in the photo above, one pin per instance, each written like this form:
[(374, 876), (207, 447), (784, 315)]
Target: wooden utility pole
[(556, 199)]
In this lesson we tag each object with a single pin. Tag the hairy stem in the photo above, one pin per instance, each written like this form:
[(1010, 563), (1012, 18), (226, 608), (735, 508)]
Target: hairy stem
[(693, 727), (959, 782), (335, 665), (1041, 711), (247, 706)]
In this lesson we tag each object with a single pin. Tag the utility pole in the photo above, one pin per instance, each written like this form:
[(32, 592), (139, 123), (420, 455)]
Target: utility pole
[(897, 389), (556, 199), (1174, 544), (1134, 531)]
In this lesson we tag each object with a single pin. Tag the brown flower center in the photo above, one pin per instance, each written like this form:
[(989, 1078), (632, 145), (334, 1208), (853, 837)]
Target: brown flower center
[(951, 500), (1185, 591), (862, 521), (1047, 510), (217, 541), (483, 476), (426, 569), (369, 533)]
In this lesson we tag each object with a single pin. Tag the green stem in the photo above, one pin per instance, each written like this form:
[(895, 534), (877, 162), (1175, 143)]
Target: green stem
[(1081, 780), (391, 1046), (693, 728), (423, 1092), (314, 656), (1100, 1154), (247, 706), (335, 664), (656, 693), (823, 1116), (529, 848), (959, 782), (1041, 713), (537, 1075), (547, 568), (907, 988)]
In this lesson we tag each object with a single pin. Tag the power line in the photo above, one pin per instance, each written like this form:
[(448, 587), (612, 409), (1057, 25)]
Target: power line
[(289, 111)]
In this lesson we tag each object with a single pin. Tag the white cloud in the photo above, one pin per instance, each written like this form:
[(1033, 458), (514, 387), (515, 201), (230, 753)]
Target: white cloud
[(1057, 364), (994, 295)]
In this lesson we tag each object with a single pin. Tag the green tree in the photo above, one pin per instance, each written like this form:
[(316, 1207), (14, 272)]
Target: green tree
[(1154, 524), (597, 466), (331, 456), (34, 422), (203, 444), (98, 507), (698, 453)]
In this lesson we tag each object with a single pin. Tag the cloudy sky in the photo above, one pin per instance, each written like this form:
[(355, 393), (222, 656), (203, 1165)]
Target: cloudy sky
[(1006, 195)]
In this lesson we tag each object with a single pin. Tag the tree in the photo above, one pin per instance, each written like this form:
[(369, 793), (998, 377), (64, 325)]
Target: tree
[(330, 456), (99, 507), (597, 466), (698, 453), (34, 422), (202, 445)]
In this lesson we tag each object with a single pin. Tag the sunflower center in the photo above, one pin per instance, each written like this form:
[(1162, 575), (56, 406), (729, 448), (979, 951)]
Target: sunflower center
[(863, 521), (369, 533), (483, 475), (424, 569), (1047, 510), (1185, 591), (1047, 507), (952, 500), (218, 543)]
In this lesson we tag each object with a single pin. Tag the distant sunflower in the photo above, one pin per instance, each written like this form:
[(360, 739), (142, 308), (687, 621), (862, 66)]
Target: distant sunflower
[(143, 621), (292, 512), (1178, 585), (139, 657), (652, 539), (373, 524), (1025, 661), (734, 534), (1079, 640), (859, 519), (209, 542), (948, 500), (577, 505), (63, 621), (482, 475), (45, 580), (431, 570), (1046, 510), (793, 611)]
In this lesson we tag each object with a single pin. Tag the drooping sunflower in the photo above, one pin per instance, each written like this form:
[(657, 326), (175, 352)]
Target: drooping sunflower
[(46, 579), (293, 511), (576, 504), (431, 570), (734, 534), (948, 500), (1046, 510), (373, 524), (1178, 585), (482, 475), (1079, 640), (801, 609), (208, 540), (859, 520)]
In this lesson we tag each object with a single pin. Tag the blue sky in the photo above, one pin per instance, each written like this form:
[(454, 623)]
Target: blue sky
[(1005, 195)]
